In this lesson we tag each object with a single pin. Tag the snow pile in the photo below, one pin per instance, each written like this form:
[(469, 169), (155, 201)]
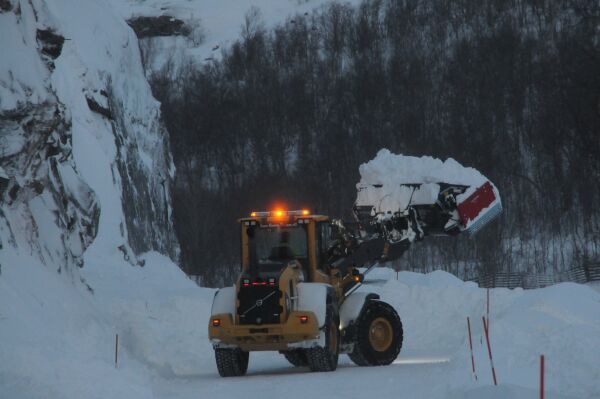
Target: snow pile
[(389, 168), (562, 322), (58, 337)]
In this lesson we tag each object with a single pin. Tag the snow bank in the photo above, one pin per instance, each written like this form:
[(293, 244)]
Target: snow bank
[(562, 322), (54, 341), (57, 335)]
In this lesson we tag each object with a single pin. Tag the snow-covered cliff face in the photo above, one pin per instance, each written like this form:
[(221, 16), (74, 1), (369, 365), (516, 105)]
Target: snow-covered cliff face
[(84, 157)]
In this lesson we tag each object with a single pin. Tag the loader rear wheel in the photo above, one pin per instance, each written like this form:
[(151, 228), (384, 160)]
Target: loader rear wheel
[(231, 362), (326, 358), (378, 335), (296, 357)]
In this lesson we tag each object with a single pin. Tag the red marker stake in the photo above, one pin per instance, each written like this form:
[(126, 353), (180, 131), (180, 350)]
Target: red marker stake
[(487, 339), (471, 348), (542, 377)]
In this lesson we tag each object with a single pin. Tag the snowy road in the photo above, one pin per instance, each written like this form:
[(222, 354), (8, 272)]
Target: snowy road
[(270, 376)]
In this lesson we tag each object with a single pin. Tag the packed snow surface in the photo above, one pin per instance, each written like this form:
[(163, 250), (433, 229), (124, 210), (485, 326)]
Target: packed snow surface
[(57, 338)]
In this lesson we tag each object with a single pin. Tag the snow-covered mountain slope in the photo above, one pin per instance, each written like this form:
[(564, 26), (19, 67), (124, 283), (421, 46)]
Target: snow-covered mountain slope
[(213, 25), (82, 142)]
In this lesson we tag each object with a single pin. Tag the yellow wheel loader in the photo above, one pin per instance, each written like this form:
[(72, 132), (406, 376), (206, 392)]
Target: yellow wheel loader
[(297, 291), (293, 297)]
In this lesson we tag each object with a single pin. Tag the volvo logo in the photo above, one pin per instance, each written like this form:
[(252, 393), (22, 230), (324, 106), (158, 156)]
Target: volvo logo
[(259, 302)]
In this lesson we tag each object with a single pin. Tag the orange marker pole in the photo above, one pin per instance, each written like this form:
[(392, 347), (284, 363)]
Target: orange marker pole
[(542, 377), (487, 339), (471, 348)]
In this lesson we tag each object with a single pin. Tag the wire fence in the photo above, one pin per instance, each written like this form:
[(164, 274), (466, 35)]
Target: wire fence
[(583, 273)]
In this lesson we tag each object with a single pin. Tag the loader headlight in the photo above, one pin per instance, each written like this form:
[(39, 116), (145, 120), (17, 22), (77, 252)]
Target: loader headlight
[(216, 322), (303, 319)]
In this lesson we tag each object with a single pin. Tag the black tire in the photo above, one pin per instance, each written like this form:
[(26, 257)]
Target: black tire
[(297, 357), (326, 358), (231, 362), (369, 349)]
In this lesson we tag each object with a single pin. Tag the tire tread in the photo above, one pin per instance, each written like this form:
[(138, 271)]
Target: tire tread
[(231, 362)]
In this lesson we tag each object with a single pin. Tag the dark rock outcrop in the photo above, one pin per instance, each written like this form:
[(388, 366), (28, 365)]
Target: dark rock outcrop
[(5, 6), (51, 43), (96, 107), (162, 25)]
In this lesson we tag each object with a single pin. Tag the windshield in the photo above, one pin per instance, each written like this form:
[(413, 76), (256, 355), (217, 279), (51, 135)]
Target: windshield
[(276, 244)]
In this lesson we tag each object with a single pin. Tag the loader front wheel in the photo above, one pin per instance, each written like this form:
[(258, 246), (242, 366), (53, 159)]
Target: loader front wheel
[(231, 362), (378, 335), (326, 358)]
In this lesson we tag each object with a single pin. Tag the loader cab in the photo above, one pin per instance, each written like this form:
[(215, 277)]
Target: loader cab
[(271, 240)]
